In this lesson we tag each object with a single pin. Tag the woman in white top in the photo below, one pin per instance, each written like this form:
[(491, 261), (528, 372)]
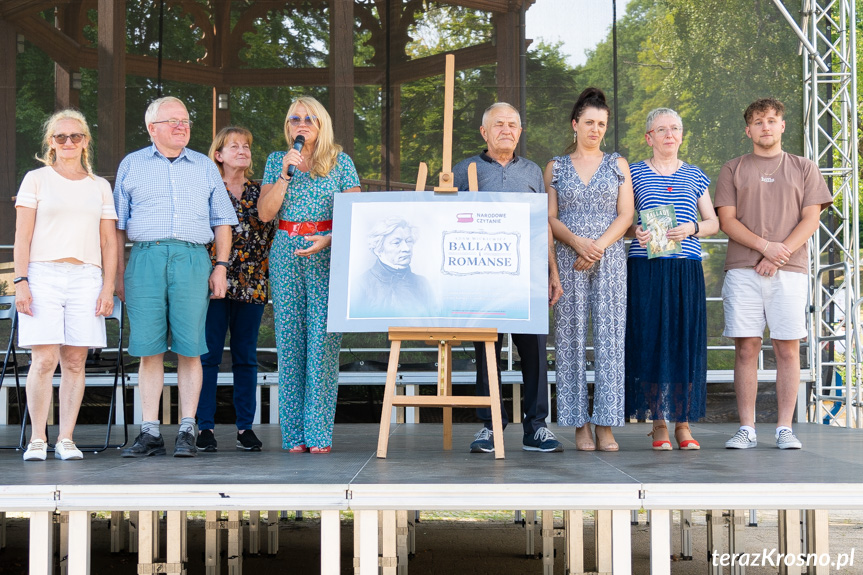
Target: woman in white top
[(65, 242)]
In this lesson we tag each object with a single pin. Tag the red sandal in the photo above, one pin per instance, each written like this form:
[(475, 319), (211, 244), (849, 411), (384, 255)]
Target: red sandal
[(664, 445)]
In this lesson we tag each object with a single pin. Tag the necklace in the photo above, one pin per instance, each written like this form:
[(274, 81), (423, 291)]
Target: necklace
[(671, 175), (782, 157)]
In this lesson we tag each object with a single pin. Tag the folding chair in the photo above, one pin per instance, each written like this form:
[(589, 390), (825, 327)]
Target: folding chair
[(7, 312), (119, 376)]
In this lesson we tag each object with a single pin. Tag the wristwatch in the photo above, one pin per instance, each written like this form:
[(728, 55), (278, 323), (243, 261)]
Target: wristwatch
[(226, 265), (21, 279)]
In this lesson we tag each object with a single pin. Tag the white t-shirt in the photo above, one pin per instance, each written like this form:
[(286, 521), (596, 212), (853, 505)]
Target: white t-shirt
[(68, 215)]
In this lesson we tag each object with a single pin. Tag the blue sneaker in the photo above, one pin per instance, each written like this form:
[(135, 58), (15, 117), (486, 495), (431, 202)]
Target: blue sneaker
[(543, 440), (483, 442)]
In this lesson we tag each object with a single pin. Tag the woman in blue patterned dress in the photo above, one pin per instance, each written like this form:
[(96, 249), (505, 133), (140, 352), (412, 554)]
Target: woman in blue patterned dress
[(666, 331), (300, 272), (590, 207)]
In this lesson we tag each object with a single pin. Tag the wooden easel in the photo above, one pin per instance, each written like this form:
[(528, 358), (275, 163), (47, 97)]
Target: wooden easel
[(444, 338)]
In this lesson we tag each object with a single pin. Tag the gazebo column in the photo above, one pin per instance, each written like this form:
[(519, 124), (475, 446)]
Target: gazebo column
[(65, 96), (392, 152), (112, 85), (506, 35), (341, 70), (8, 47), (219, 58)]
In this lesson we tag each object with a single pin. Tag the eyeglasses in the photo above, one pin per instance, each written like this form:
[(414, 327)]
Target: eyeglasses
[(675, 130), (308, 120), (174, 122), (61, 138)]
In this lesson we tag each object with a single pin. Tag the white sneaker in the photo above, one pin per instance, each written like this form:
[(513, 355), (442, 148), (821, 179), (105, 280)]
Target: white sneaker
[(785, 439), (65, 449), (37, 450), (741, 440)]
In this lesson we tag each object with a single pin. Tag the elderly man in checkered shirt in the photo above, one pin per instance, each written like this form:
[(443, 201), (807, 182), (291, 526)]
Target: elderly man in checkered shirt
[(171, 202)]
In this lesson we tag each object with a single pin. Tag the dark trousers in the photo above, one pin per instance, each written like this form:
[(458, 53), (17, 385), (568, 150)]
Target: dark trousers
[(243, 320), (534, 374)]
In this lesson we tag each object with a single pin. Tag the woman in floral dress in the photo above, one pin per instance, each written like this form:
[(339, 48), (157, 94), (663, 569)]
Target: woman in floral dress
[(298, 188), (590, 207)]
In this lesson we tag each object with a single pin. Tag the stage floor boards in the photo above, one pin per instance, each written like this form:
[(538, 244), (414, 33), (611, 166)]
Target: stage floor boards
[(417, 466)]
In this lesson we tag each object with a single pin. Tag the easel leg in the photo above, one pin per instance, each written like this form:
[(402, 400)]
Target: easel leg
[(389, 392), (445, 385), (494, 399)]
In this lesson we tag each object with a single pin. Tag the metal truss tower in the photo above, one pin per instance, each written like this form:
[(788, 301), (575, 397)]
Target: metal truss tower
[(827, 33)]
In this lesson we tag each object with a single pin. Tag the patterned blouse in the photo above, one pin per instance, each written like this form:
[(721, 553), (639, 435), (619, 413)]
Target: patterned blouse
[(248, 276)]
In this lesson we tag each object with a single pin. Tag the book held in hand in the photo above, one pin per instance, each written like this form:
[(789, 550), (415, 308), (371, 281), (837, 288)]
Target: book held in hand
[(658, 221)]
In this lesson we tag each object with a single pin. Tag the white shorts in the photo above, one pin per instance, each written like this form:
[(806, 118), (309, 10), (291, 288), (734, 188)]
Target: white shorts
[(64, 306), (752, 301)]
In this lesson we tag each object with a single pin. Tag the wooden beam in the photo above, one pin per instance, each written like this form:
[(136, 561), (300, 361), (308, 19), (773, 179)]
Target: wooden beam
[(8, 177), (112, 85), (65, 96), (13, 10), (341, 72), (479, 55), (58, 46)]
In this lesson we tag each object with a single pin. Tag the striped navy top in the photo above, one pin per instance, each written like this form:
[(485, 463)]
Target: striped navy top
[(683, 188)]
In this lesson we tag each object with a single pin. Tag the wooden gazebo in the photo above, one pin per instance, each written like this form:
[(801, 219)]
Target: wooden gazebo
[(64, 42)]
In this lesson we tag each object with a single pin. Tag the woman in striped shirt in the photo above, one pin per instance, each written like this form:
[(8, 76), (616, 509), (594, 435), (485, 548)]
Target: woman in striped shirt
[(666, 330)]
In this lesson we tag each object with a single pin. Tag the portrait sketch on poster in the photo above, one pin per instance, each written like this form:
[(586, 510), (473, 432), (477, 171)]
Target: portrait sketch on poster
[(409, 259)]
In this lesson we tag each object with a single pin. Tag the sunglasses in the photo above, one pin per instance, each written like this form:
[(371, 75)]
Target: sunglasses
[(61, 138), (308, 120)]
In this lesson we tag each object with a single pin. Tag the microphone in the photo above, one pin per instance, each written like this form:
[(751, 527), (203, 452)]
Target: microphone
[(298, 146)]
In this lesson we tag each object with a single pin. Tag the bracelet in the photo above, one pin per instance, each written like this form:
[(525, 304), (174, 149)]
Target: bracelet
[(696, 229), (282, 177), (21, 279), (765, 248), (225, 265)]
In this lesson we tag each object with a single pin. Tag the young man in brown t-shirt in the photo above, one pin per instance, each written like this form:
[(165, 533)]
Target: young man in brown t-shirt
[(769, 204)]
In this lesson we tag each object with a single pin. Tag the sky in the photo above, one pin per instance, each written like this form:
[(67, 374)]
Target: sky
[(555, 20)]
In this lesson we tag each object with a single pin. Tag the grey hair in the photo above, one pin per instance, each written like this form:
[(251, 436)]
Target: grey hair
[(657, 112), (385, 228), (153, 109), (497, 105)]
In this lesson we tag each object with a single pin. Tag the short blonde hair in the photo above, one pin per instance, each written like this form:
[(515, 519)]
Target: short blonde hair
[(49, 156), (222, 138), (326, 150)]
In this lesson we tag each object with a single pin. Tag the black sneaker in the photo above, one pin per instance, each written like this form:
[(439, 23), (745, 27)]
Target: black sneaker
[(185, 445), (145, 445), (206, 441), (248, 441), (543, 440), (483, 441)]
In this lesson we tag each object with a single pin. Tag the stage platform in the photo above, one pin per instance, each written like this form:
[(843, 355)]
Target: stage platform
[(419, 475)]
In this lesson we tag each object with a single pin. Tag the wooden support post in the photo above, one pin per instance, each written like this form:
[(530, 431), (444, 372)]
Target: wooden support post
[(714, 521), (65, 95), (402, 535), (789, 539), (686, 534), (660, 542), (79, 543), (111, 105), (166, 406), (368, 541), (547, 542), (8, 174), (735, 540), (212, 543), (357, 522), (118, 528), (818, 538), (389, 556), (254, 532), (2, 529), (235, 543), (573, 520), (621, 542), (63, 554), (529, 532), (133, 530), (507, 75), (41, 543), (272, 532), (148, 540), (341, 71), (175, 553), (603, 540), (330, 542)]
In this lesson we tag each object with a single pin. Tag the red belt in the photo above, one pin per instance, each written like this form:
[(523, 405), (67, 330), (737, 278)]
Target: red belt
[(305, 228)]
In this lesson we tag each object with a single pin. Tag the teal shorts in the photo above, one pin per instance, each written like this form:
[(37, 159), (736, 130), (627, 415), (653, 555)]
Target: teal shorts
[(167, 291)]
